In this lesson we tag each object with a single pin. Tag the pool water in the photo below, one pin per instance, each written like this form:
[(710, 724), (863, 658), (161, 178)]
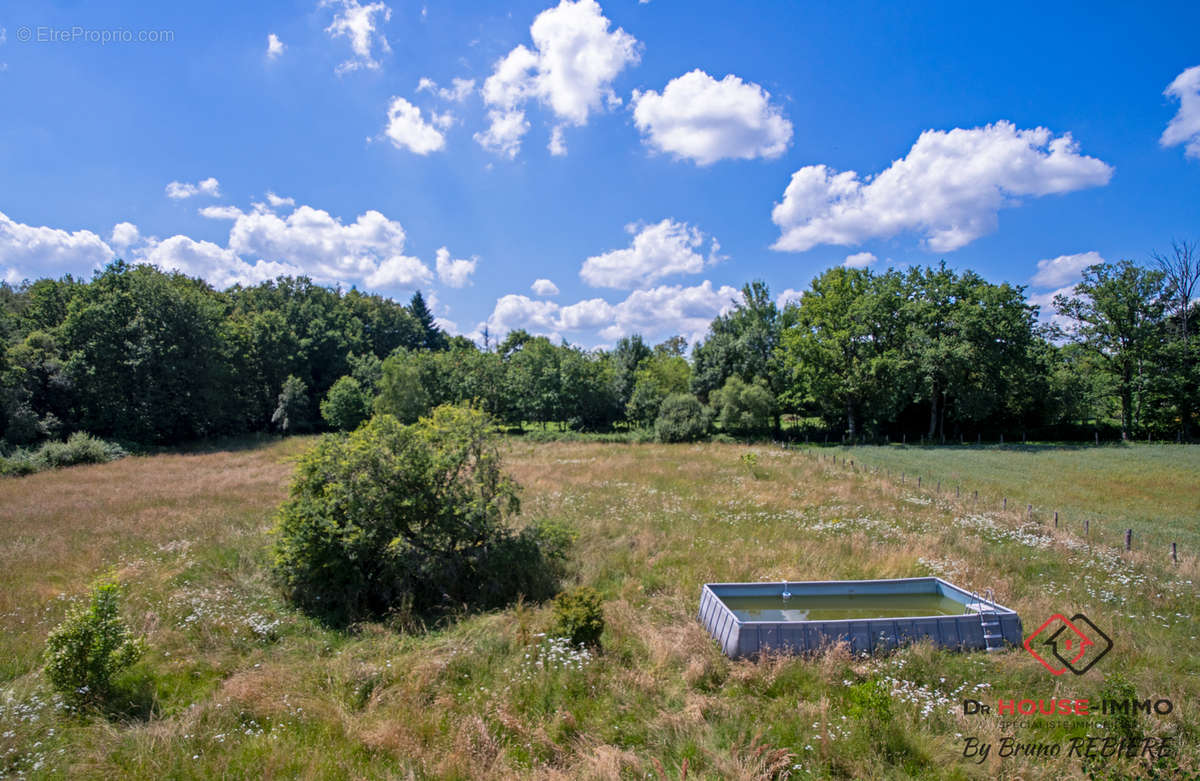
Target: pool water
[(841, 606)]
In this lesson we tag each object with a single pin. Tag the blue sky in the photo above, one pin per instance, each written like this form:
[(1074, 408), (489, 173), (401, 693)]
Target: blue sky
[(333, 139)]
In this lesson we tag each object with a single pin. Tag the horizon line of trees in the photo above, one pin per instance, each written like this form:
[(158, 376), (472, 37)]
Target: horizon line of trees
[(144, 356)]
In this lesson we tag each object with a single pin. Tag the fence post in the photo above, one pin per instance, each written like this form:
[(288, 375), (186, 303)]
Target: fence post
[(1004, 506), (1029, 512), (918, 481), (939, 488), (1087, 527), (1129, 539), (1056, 519), (1174, 554)]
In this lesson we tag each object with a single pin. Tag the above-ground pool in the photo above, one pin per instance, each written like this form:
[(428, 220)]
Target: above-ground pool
[(869, 615)]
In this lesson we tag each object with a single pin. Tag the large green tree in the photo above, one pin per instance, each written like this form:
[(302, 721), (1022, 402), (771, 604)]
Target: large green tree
[(1117, 314)]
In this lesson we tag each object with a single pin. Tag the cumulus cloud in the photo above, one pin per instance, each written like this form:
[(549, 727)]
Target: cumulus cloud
[(544, 287), (657, 251), (323, 246), (454, 273), (408, 130), (400, 271), (704, 120), (504, 134), (275, 46), (788, 296), (570, 69), (218, 265), (278, 201), (949, 187), (659, 311), (221, 212), (1185, 127), (457, 92), (29, 251), (859, 260), (262, 245), (1063, 270), (124, 235), (359, 24), (181, 190)]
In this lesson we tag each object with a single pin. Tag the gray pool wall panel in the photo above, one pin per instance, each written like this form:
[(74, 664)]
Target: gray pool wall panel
[(739, 638)]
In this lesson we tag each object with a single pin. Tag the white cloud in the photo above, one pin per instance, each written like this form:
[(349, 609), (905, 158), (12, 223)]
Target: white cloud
[(1063, 270), (558, 144), (504, 134), (859, 260), (124, 235), (454, 273), (407, 130), (570, 69), (789, 296), (221, 212), (516, 311), (459, 90), (358, 24), (322, 245), (660, 311), (277, 201), (180, 190), (218, 265), (400, 271), (544, 287), (949, 187), (705, 120), (29, 251), (657, 251), (1185, 126), (275, 46)]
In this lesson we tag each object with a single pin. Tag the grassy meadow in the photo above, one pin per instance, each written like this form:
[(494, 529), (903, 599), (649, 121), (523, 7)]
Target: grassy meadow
[(236, 684)]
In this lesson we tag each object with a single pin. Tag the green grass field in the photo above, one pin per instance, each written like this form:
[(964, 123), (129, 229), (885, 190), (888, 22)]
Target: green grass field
[(236, 684), (1152, 489)]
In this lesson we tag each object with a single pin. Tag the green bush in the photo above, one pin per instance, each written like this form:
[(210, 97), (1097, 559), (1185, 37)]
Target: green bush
[(579, 615), (346, 405), (90, 647), (80, 448), (681, 419), (743, 409), (393, 520)]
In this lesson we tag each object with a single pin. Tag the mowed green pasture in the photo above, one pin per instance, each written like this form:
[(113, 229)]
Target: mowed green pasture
[(1152, 489), (238, 685)]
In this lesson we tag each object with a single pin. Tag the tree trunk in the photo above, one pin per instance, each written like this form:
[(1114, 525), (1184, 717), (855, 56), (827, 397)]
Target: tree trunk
[(851, 424), (933, 411)]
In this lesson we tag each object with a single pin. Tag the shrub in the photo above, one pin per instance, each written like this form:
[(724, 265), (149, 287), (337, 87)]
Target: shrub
[(90, 647), (743, 409), (346, 405), (80, 448), (680, 419), (579, 615), (394, 519)]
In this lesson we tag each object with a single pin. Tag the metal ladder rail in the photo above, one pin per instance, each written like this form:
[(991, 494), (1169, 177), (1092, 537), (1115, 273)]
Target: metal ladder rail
[(989, 622)]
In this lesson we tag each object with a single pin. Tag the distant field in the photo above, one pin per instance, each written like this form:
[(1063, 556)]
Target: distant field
[(237, 684), (1152, 489)]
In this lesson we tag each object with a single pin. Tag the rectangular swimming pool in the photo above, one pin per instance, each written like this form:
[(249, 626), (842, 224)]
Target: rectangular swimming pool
[(749, 618)]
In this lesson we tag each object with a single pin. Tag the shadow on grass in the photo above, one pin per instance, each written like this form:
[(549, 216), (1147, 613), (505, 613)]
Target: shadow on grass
[(133, 697)]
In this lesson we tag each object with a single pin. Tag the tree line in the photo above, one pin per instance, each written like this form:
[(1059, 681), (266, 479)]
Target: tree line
[(147, 357)]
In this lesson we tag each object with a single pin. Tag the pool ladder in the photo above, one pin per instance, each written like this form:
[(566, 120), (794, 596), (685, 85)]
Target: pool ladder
[(989, 622)]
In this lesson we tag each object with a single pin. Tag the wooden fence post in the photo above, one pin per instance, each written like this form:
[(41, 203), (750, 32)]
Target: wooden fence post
[(1129, 539), (1174, 554), (1056, 519)]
